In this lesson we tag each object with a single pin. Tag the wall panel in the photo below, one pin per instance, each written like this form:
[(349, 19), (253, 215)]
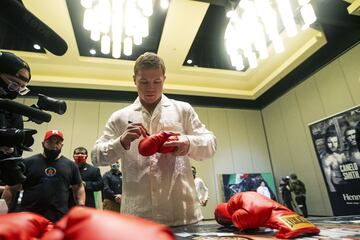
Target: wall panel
[(333, 89)]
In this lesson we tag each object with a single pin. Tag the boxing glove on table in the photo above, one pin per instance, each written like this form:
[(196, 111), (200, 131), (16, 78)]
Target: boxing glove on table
[(253, 210), (82, 223), (149, 145), (23, 226), (222, 215)]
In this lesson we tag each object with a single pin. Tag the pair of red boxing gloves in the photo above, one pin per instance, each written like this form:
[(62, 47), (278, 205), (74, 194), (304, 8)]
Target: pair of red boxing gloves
[(249, 210), (150, 145), (79, 224)]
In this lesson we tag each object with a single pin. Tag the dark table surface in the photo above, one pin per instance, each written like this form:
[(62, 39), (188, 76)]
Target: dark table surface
[(344, 227)]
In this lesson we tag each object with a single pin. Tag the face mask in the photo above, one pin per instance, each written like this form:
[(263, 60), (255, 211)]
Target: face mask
[(115, 167), (80, 159), (6, 92), (51, 154)]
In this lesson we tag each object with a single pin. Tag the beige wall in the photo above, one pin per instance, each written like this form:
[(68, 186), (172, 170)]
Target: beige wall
[(333, 89), (240, 134)]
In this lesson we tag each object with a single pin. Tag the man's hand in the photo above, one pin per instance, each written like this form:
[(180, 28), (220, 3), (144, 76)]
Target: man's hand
[(133, 131), (118, 198), (203, 203), (6, 149), (9, 192), (181, 142), (79, 194)]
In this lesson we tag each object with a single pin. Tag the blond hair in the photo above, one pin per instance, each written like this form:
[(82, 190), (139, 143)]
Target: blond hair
[(149, 60)]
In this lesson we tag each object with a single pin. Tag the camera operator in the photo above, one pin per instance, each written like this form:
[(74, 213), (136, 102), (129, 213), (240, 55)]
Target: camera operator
[(14, 76)]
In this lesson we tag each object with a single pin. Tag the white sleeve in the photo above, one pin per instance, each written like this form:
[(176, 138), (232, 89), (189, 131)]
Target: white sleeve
[(107, 148), (202, 141), (206, 191)]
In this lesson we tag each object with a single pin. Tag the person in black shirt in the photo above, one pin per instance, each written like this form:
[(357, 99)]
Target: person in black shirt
[(298, 187), (49, 177), (285, 191), (112, 188), (90, 175)]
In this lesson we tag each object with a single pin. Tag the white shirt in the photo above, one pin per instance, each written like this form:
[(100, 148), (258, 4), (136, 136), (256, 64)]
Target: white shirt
[(201, 189), (159, 187), (264, 191)]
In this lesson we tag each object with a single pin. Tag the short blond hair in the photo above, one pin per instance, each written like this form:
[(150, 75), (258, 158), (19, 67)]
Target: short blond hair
[(149, 60)]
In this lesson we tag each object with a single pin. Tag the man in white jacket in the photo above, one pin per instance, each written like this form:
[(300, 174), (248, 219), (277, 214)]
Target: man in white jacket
[(159, 187), (201, 188)]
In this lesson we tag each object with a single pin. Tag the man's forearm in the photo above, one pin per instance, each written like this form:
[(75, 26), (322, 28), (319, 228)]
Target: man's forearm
[(79, 194), (7, 194)]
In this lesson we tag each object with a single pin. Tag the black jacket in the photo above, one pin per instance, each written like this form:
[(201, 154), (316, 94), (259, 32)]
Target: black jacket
[(112, 185), (93, 183)]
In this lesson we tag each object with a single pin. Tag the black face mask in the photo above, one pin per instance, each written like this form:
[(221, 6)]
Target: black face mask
[(8, 94), (115, 168), (51, 154)]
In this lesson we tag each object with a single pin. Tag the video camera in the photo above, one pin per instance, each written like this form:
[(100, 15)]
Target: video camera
[(11, 168), (22, 138)]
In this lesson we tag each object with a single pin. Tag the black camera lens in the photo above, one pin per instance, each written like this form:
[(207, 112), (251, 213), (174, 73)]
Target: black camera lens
[(51, 104)]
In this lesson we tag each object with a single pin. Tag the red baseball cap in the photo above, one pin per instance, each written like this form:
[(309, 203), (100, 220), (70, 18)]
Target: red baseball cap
[(51, 133)]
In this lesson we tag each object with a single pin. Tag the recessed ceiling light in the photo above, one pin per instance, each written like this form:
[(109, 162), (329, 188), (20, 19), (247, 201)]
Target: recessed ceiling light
[(189, 61), (230, 14), (92, 51), (36, 46), (164, 4)]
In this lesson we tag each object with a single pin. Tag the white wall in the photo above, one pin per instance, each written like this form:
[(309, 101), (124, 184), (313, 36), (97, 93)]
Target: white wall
[(333, 89), (241, 148), (240, 135)]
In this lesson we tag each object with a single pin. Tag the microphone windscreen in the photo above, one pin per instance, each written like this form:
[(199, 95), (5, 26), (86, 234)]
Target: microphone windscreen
[(15, 14), (30, 112)]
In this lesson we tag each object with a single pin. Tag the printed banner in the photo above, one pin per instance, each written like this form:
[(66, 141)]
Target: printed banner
[(242, 182), (335, 144)]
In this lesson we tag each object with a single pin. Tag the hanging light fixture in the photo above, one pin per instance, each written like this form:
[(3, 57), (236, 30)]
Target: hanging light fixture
[(118, 24), (255, 23)]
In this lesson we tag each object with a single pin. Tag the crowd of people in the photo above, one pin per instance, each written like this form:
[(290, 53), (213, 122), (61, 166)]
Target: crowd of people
[(54, 184)]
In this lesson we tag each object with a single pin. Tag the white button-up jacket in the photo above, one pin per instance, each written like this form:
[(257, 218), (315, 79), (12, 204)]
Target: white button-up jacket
[(159, 187)]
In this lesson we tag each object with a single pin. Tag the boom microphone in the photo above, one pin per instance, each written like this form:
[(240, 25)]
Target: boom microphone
[(15, 14), (33, 114)]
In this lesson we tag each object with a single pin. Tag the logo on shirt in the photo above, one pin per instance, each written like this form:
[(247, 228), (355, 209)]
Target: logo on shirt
[(50, 171)]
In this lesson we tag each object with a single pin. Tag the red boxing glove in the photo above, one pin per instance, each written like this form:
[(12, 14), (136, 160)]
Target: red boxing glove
[(23, 226), (149, 145), (253, 210), (87, 223), (222, 215)]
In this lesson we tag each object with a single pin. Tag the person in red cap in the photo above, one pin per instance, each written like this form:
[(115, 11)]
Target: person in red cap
[(49, 177)]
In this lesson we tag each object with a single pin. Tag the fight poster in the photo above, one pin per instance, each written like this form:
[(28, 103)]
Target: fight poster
[(338, 154), (242, 182)]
